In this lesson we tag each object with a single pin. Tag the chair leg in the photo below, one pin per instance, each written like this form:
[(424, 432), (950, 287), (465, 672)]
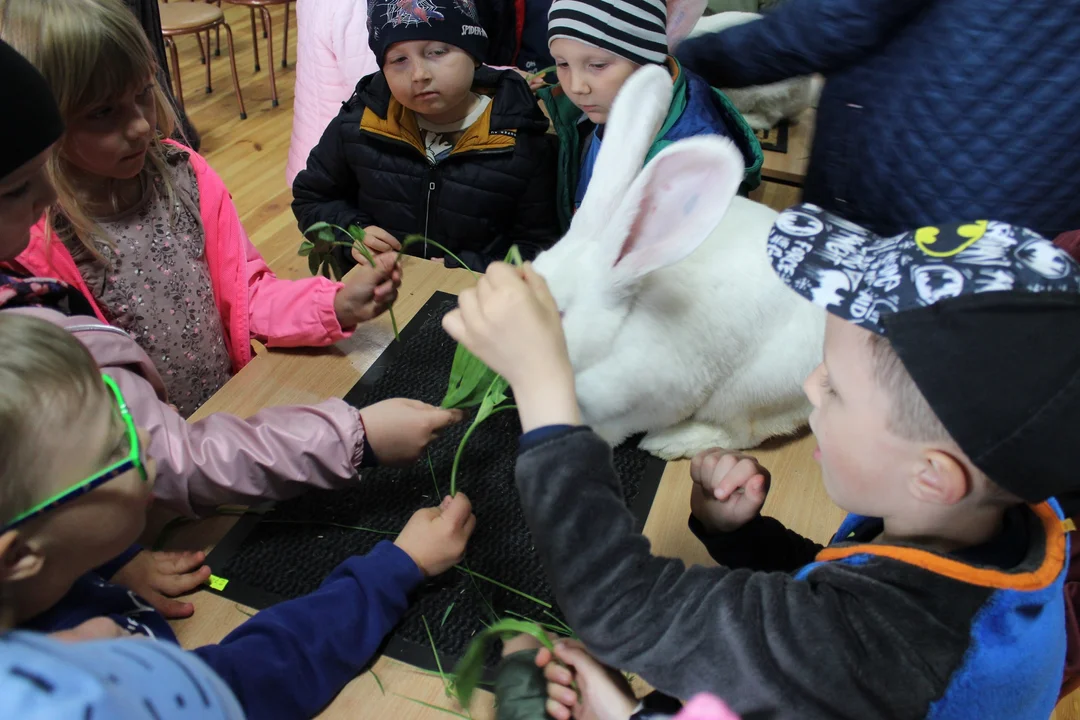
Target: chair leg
[(217, 47), (285, 45), (266, 34), (235, 77), (254, 39), (176, 73), (202, 53), (209, 86), (269, 22)]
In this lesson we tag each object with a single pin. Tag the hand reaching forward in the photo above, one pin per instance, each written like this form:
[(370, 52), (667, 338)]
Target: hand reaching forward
[(158, 577), (601, 694), (511, 322), (368, 291), (435, 538), (399, 429), (729, 489)]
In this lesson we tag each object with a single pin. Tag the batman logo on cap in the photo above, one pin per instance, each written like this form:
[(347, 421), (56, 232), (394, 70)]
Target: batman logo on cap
[(949, 240)]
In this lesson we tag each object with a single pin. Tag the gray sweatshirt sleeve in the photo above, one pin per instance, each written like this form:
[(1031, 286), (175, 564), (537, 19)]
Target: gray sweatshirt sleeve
[(763, 641)]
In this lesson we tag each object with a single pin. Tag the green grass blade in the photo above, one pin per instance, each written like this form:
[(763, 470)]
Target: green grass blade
[(480, 417), (469, 669), (446, 614), (485, 578), (494, 615), (378, 682), (448, 711), (414, 239), (542, 73), (435, 652), (431, 467), (555, 617)]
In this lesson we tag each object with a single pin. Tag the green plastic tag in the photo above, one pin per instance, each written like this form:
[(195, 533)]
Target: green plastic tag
[(217, 583)]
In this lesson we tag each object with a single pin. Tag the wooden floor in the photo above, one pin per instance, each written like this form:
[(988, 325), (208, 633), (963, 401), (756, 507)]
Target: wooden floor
[(250, 156)]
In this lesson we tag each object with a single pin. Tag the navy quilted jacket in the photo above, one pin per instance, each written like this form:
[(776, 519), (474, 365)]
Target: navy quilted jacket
[(933, 110)]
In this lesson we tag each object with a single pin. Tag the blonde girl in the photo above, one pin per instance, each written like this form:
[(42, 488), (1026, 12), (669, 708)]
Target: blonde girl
[(145, 228)]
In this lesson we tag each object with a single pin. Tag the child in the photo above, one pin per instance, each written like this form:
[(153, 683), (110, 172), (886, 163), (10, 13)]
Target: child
[(332, 54), (945, 410), (597, 45), (925, 114), (144, 228), (434, 144), (79, 499), (275, 454)]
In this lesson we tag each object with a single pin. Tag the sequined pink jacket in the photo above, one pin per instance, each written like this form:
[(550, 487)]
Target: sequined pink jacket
[(252, 301)]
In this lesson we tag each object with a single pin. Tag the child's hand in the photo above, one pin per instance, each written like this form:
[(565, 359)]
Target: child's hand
[(535, 83), (399, 429), (435, 538), (368, 291), (511, 322), (99, 628), (602, 693), (729, 489), (159, 576), (377, 241)]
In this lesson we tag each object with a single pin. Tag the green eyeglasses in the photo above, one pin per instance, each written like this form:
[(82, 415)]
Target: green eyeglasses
[(132, 461)]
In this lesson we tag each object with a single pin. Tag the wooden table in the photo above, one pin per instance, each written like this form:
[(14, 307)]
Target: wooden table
[(308, 376)]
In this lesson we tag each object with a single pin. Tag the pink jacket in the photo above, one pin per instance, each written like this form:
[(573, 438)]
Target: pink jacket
[(252, 301), (332, 55), (222, 459), (706, 707)]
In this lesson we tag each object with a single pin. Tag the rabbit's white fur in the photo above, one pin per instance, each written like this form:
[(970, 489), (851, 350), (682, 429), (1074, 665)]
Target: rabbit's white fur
[(675, 322), (763, 106)]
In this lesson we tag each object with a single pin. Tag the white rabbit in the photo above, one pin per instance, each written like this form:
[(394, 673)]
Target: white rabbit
[(675, 322), (763, 106)]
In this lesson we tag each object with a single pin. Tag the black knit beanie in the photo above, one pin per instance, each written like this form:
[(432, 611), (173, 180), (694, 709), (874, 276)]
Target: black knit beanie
[(454, 22), (30, 121)]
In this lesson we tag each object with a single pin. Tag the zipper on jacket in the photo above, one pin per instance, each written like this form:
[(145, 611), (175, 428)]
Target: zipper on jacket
[(427, 214)]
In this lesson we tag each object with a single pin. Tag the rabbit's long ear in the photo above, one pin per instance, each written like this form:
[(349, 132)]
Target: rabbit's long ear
[(682, 15), (676, 202), (636, 117)]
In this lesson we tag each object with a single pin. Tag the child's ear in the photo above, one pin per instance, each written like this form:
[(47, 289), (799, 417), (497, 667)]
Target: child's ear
[(19, 560), (940, 479)]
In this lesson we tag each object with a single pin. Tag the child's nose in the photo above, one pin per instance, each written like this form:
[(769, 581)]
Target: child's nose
[(812, 385)]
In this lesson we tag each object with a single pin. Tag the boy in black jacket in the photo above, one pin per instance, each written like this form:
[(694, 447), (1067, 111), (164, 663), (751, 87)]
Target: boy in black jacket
[(435, 144)]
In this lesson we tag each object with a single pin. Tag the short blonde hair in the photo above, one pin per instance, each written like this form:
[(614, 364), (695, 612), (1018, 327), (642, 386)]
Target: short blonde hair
[(46, 378), (89, 51)]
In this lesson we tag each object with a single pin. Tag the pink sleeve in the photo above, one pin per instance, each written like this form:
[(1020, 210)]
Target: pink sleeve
[(706, 707), (275, 454), (281, 313), (290, 313)]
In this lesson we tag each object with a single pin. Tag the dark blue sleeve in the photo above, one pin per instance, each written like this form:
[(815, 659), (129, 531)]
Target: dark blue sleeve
[(291, 659), (110, 568), (534, 437), (799, 38)]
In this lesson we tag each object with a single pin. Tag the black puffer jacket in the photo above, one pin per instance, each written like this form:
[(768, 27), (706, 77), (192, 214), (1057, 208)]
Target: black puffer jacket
[(496, 189)]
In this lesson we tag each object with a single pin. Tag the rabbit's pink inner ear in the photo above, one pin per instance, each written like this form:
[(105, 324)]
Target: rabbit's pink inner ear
[(680, 199), (682, 17)]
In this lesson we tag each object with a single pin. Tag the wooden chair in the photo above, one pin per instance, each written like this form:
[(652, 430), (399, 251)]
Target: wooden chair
[(194, 19), (268, 32)]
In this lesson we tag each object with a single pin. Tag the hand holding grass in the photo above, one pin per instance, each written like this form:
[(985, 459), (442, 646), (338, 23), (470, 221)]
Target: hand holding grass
[(435, 538), (511, 323), (729, 489), (158, 577), (579, 687), (377, 241), (368, 291), (399, 429)]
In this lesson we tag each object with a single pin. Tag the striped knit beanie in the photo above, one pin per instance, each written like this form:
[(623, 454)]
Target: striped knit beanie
[(633, 29)]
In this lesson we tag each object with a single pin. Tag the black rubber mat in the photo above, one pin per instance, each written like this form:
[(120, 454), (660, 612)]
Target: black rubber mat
[(290, 549)]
